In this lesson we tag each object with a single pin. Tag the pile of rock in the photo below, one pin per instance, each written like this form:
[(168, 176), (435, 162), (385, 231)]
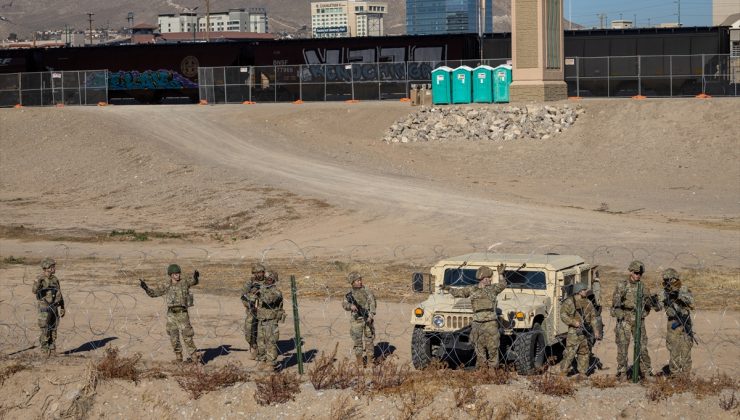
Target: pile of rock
[(538, 122)]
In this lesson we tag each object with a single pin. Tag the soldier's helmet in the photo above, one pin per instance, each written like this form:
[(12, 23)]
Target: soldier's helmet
[(637, 267), (670, 274), (483, 272), (47, 263), (271, 276), (258, 268), (579, 287), (353, 276), (172, 269)]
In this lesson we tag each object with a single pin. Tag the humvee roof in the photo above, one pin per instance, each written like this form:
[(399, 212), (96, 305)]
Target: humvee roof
[(551, 262)]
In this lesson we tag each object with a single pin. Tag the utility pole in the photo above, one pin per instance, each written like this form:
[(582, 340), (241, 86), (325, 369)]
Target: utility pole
[(634, 21), (208, 20), (679, 12), (481, 22), (602, 18), (90, 20), (130, 19)]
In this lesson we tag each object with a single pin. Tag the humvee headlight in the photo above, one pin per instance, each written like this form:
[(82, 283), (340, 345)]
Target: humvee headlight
[(519, 316), (438, 321), (419, 312)]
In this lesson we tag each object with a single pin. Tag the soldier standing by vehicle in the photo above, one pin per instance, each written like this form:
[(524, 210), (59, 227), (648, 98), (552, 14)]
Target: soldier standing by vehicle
[(679, 339), (50, 303), (269, 302), (250, 322), (625, 306), (178, 298), (579, 315), (483, 298), (361, 303)]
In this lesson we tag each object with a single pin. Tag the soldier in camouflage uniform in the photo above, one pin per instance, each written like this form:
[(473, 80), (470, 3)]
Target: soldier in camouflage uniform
[(269, 302), (360, 302), (624, 309), (577, 312), (50, 304), (250, 322), (679, 302), (178, 298), (483, 298)]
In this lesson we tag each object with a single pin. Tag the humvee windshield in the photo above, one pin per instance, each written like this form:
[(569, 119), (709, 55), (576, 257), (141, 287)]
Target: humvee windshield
[(460, 277)]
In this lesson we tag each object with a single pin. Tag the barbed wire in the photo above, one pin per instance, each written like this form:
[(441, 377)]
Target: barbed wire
[(104, 305)]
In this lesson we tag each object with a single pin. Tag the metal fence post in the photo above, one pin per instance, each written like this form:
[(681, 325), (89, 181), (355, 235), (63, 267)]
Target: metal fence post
[(578, 76), (703, 79), (300, 82), (377, 75), (352, 79), (670, 73), (406, 76), (608, 77), (296, 325), (251, 76), (226, 88), (324, 65), (639, 76)]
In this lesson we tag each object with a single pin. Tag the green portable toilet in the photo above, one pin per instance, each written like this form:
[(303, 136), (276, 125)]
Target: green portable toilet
[(462, 91), (441, 87), (501, 82), (482, 84)]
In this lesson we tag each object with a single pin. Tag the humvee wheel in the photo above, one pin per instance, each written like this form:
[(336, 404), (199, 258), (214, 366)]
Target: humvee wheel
[(529, 348), (421, 348)]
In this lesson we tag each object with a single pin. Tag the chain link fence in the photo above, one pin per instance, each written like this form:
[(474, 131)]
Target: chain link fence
[(54, 88), (322, 82), (653, 75)]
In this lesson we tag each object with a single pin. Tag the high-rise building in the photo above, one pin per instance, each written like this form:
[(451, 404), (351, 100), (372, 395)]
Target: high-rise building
[(426, 17), (336, 19)]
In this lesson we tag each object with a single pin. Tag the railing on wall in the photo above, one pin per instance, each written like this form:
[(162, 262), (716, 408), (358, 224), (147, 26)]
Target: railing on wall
[(51, 88)]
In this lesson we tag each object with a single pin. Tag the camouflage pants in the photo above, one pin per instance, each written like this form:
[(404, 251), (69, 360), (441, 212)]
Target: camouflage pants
[(268, 333), (486, 341), (363, 338), (679, 346), (576, 346), (250, 330), (624, 333), (48, 321), (179, 323)]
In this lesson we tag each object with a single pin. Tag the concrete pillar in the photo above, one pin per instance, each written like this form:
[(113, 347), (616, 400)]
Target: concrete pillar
[(537, 51)]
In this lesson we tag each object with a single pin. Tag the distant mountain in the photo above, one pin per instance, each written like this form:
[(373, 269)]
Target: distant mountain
[(25, 16)]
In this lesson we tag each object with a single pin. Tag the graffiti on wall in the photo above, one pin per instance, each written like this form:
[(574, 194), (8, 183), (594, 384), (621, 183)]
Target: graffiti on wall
[(149, 79)]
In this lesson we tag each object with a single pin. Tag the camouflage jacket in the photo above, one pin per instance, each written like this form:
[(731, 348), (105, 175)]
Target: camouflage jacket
[(365, 298), (176, 294), (577, 309), (269, 303), (48, 291), (678, 304), (483, 300), (624, 300), (250, 299)]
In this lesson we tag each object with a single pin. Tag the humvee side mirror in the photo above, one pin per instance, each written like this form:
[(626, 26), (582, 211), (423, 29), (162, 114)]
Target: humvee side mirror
[(417, 282)]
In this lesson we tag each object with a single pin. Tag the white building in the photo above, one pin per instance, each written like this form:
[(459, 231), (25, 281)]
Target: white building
[(622, 24), (235, 20), (723, 9), (348, 18)]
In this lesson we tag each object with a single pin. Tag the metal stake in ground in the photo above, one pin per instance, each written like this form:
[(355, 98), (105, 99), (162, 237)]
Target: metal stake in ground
[(297, 324)]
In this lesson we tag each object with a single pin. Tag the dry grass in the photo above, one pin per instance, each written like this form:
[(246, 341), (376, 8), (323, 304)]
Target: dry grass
[(10, 370), (729, 403), (530, 408), (329, 373), (277, 388), (113, 366), (553, 384), (604, 381), (197, 380), (665, 387), (343, 408), (83, 400)]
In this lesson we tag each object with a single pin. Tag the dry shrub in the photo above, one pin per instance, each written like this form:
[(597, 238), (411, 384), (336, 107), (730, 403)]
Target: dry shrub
[(277, 388), (464, 396), (665, 387), (493, 376), (413, 400), (604, 381), (113, 366), (530, 408), (197, 380), (553, 384), (8, 371), (343, 409), (386, 374), (83, 400), (329, 373)]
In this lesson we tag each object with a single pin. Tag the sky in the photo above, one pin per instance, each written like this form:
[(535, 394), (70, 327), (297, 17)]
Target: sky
[(693, 12)]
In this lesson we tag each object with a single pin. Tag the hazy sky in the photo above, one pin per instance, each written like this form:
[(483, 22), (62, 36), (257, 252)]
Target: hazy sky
[(693, 12)]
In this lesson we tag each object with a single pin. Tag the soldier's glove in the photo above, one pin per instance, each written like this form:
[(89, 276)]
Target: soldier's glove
[(143, 285), (500, 268), (61, 312), (196, 275)]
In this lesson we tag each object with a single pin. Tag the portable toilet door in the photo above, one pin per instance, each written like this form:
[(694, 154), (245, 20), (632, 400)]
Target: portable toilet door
[(462, 91), (482, 84), (501, 82), (441, 87)]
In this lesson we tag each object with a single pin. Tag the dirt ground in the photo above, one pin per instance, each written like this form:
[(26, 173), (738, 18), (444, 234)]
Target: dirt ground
[(115, 193)]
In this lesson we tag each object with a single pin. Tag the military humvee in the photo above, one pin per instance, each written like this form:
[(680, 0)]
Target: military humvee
[(528, 309)]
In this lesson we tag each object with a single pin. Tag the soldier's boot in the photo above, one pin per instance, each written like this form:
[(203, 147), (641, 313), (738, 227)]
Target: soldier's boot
[(178, 356), (252, 353), (360, 361), (265, 366), (370, 360)]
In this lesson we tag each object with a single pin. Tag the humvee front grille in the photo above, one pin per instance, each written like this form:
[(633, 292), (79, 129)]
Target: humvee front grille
[(458, 321)]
